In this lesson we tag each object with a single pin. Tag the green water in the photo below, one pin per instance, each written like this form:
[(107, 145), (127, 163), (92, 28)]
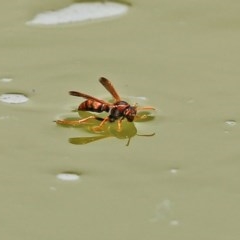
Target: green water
[(182, 183)]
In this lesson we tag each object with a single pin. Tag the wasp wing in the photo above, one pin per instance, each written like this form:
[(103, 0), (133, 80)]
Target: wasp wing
[(108, 85), (85, 140), (83, 95)]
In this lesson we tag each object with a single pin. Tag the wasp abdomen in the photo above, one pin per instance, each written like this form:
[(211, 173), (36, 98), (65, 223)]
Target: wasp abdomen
[(93, 106)]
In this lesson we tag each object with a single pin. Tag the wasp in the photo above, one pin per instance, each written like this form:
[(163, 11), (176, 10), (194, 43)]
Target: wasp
[(118, 110)]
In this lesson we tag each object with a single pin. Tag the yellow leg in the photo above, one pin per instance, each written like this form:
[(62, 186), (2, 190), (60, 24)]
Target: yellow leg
[(99, 128), (144, 116), (119, 125), (74, 122)]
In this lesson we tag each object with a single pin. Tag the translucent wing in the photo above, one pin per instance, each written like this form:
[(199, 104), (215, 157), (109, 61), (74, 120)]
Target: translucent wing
[(108, 85), (85, 140), (83, 95)]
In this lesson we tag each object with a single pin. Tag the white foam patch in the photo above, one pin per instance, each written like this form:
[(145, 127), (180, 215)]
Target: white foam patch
[(13, 98), (79, 12)]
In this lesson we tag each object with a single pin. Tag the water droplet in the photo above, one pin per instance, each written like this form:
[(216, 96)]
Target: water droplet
[(174, 222), (4, 117), (53, 189), (6, 80), (68, 176), (174, 170), (231, 123)]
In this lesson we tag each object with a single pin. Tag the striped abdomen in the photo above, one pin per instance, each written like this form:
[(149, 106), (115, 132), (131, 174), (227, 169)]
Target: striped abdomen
[(93, 106)]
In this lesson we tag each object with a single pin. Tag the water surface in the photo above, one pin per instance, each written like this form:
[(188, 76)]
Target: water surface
[(182, 183)]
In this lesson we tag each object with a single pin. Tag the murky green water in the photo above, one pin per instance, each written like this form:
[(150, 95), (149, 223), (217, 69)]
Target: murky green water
[(182, 183)]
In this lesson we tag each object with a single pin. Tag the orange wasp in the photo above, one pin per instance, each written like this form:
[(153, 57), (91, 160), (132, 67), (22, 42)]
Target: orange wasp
[(118, 110)]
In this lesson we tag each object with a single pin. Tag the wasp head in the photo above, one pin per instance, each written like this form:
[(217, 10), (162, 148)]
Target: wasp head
[(130, 113)]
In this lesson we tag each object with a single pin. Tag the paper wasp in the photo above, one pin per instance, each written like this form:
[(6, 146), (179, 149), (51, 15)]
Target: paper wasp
[(118, 110)]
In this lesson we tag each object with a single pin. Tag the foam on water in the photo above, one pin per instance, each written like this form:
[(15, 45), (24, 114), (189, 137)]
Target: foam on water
[(79, 12)]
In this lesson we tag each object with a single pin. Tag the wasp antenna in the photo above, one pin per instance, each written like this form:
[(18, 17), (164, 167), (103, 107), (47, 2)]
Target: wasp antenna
[(146, 108), (146, 135)]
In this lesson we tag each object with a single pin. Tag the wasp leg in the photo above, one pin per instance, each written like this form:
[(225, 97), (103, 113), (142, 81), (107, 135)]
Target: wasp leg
[(146, 135), (104, 120), (144, 116), (99, 127), (74, 122), (119, 125)]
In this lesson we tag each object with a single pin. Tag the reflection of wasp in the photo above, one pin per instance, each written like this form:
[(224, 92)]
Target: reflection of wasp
[(117, 110), (127, 131)]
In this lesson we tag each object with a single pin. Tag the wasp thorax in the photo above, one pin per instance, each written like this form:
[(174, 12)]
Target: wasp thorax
[(118, 110), (115, 114)]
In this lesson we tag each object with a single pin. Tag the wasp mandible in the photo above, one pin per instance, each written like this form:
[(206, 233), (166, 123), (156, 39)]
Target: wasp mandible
[(118, 110)]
